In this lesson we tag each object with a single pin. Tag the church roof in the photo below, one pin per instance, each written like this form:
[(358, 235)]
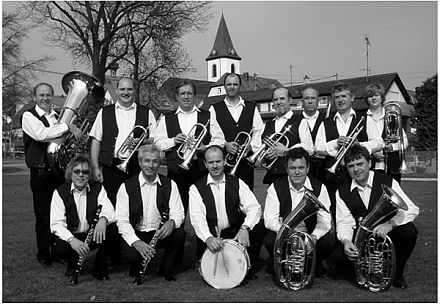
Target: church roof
[(223, 46)]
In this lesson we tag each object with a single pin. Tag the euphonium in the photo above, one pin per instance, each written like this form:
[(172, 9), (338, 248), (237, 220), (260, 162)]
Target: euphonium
[(294, 252), (188, 148), (394, 134), (130, 145), (343, 150), (375, 267), (269, 142), (80, 88), (243, 139)]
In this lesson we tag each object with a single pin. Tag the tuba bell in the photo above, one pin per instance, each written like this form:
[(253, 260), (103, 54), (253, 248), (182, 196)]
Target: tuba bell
[(294, 252), (375, 267), (188, 148), (243, 139), (80, 88)]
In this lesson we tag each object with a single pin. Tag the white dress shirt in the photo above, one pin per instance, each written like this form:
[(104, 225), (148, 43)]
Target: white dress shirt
[(235, 111), (151, 217), (324, 147), (272, 219), (305, 137), (125, 121), (197, 210), (311, 120), (375, 125), (345, 223), (35, 128), (58, 221)]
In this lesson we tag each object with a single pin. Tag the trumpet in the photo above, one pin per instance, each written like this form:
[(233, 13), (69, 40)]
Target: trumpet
[(269, 142), (130, 145), (233, 160), (343, 150), (188, 148)]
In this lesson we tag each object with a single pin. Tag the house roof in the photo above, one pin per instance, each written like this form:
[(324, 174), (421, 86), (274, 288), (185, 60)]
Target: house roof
[(223, 46), (251, 82)]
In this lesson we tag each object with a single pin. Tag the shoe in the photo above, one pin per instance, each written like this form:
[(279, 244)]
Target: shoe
[(167, 274), (46, 263), (400, 282), (133, 272), (69, 271), (251, 276), (101, 275)]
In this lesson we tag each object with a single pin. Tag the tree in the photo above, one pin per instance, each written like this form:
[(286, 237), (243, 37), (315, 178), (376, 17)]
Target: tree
[(426, 115)]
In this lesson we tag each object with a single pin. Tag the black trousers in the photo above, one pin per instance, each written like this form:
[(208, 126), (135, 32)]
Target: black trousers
[(170, 244), (404, 240), (43, 184)]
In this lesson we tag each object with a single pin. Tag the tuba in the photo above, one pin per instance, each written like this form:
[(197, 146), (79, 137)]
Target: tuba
[(394, 134), (80, 88), (375, 267), (269, 142), (294, 252), (130, 145), (188, 148), (243, 139)]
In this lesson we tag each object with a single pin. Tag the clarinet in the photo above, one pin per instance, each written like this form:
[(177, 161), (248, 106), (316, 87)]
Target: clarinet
[(79, 265), (138, 279)]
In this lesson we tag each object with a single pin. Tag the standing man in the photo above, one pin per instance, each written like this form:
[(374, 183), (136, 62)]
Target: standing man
[(314, 118), (39, 129), (285, 194), (143, 202), (234, 115), (298, 135), (357, 197), (224, 202)]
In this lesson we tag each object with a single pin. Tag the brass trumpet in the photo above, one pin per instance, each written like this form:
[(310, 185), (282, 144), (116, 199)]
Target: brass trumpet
[(130, 145), (188, 148), (233, 160), (343, 150), (269, 142)]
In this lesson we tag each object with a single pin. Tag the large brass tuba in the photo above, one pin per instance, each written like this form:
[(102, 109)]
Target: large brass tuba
[(394, 134), (375, 267), (294, 252), (80, 89), (189, 147)]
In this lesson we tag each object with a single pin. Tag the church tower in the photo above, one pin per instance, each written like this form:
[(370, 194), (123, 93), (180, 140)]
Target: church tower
[(223, 57)]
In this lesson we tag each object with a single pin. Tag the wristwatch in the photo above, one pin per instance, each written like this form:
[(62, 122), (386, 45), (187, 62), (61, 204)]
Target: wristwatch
[(245, 227)]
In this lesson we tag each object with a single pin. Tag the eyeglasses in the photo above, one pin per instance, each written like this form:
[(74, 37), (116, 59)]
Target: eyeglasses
[(77, 172)]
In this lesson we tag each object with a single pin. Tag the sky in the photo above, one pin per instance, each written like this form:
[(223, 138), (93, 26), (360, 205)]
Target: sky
[(319, 39)]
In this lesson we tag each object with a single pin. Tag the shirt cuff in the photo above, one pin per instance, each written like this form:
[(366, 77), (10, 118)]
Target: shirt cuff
[(132, 239)]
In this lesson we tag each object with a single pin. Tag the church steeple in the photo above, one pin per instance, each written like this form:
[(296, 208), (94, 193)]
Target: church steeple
[(223, 56)]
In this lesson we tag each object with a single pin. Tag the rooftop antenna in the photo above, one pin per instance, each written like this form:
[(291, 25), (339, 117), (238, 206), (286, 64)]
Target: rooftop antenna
[(367, 43)]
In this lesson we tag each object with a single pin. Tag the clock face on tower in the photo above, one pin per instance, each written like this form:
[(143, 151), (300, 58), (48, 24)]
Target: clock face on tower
[(232, 51), (213, 52)]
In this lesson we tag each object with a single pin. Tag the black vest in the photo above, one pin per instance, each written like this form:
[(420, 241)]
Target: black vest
[(319, 119), (228, 125), (110, 130), (283, 193), (35, 151), (353, 200), (232, 202), (136, 209), (293, 136), (72, 218)]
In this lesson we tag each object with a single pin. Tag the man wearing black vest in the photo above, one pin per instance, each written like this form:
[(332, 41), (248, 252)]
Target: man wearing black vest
[(147, 203), (356, 197), (285, 194), (39, 129), (298, 135), (72, 212), (224, 202), (235, 115), (314, 118)]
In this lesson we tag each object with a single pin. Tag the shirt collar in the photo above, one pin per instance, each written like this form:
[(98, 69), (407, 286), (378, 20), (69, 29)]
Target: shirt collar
[(41, 112), (369, 113), (338, 115), (132, 106), (143, 182), (240, 102), (210, 180), (307, 185), (180, 110), (354, 184), (315, 115), (287, 115), (72, 188)]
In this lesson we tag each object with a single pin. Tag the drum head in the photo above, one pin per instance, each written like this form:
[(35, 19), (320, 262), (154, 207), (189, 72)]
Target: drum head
[(232, 266)]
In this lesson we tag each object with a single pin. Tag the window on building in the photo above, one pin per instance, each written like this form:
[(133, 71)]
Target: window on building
[(233, 68), (214, 70), (264, 107), (322, 101)]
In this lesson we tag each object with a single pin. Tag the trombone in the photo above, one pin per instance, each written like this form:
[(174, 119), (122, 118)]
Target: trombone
[(130, 145), (234, 159), (188, 148), (343, 150)]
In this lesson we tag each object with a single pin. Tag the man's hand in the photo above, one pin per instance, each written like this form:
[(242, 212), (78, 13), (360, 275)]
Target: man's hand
[(383, 229), (180, 138), (243, 237), (232, 147), (278, 150), (100, 229), (166, 229), (146, 251), (201, 148), (97, 174), (379, 155), (343, 141), (350, 249), (214, 244), (80, 247), (76, 131)]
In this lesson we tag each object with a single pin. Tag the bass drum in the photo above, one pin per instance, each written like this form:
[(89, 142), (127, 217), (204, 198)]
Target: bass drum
[(230, 267)]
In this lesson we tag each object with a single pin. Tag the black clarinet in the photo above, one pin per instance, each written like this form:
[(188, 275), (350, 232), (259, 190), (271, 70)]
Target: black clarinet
[(138, 279), (79, 265)]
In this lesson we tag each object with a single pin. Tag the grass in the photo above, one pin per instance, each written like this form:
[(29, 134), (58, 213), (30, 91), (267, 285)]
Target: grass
[(24, 280)]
